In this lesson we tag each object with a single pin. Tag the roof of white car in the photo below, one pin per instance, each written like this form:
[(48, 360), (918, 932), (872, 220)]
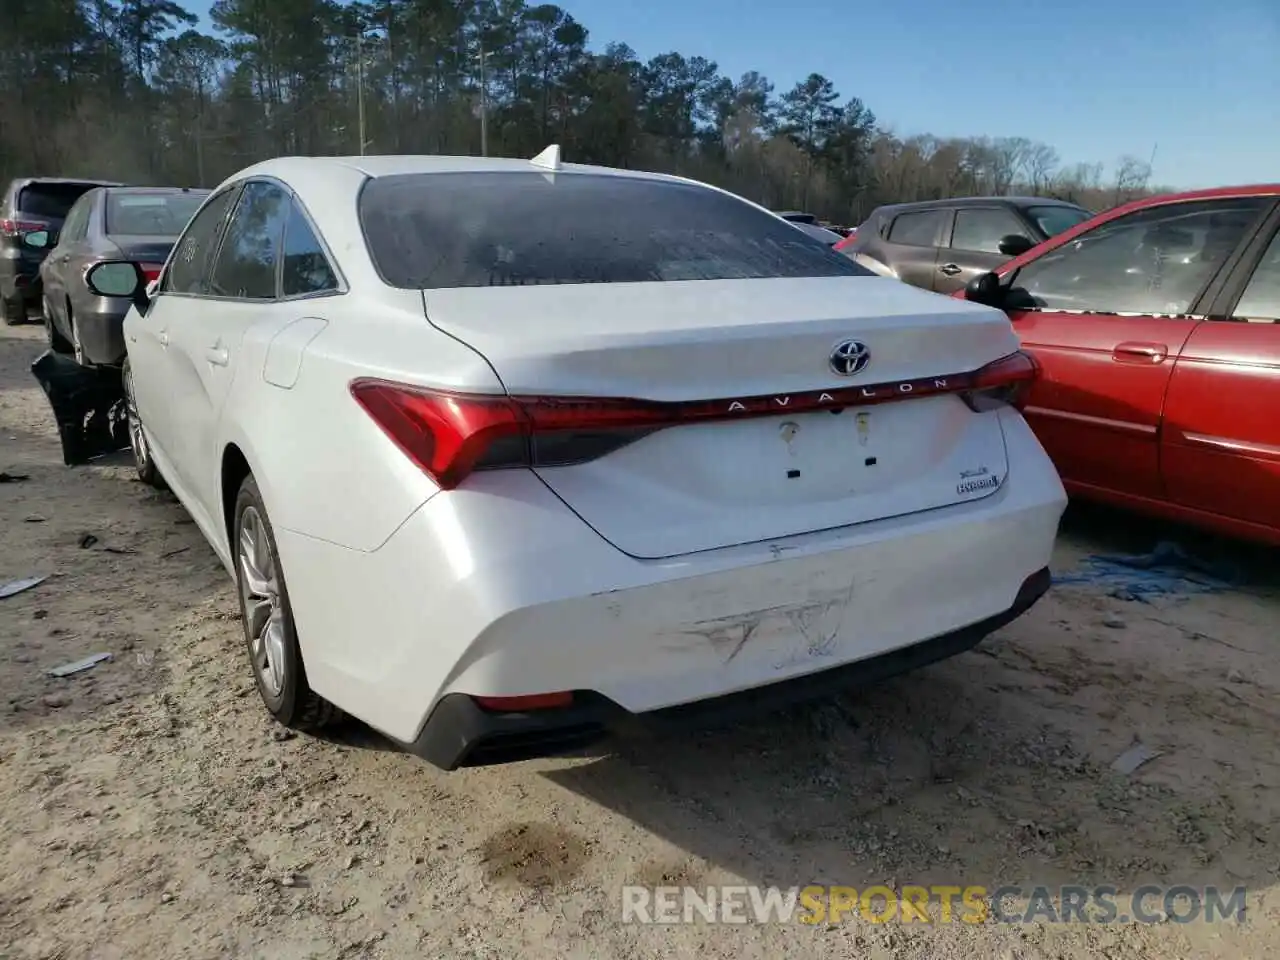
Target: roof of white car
[(287, 168)]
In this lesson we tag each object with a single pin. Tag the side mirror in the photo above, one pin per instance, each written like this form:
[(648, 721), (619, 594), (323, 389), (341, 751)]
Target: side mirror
[(984, 289), (119, 279), (1015, 245), (38, 239)]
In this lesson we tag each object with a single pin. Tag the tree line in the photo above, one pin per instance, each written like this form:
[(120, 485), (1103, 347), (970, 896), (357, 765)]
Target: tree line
[(133, 90)]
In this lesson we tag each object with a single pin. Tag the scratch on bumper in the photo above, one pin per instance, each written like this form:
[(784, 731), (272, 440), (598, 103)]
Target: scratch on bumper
[(818, 621)]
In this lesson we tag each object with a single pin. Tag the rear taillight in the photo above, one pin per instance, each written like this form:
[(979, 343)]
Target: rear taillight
[(452, 435), (847, 240), (16, 228), (1005, 382), (151, 271)]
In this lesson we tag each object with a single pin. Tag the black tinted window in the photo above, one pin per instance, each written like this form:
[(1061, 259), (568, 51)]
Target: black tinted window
[(247, 262), (981, 229), (150, 214), (1152, 261), (306, 268), (50, 201), (492, 229), (916, 229), (188, 270)]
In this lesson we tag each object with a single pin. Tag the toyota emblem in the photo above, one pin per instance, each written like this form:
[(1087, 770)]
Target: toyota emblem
[(849, 357)]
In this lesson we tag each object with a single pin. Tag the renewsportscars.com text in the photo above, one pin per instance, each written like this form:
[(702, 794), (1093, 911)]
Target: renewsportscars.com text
[(932, 904)]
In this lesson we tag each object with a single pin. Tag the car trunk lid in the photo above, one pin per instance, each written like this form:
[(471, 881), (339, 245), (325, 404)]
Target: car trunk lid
[(710, 484)]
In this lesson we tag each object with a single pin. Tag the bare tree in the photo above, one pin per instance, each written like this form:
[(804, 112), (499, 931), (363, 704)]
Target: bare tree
[(1132, 175)]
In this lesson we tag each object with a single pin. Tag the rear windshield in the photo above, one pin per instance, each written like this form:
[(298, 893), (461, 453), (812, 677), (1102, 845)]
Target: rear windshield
[(150, 214), (430, 231), (1055, 219), (50, 201)]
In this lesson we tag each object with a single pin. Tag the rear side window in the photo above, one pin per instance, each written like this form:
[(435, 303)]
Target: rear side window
[(916, 229), (150, 214), (306, 269), (431, 231), (1261, 298), (50, 201)]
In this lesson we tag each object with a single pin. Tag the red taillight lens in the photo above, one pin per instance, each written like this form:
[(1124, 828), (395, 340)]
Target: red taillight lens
[(1006, 382), (846, 241), (445, 434), (452, 435), (533, 701), (16, 228), (152, 271)]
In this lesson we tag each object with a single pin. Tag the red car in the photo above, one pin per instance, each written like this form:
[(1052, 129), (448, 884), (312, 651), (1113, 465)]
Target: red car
[(1157, 327)]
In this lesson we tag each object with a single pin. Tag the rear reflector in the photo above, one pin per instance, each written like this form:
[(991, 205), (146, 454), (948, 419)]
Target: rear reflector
[(533, 701), (451, 435)]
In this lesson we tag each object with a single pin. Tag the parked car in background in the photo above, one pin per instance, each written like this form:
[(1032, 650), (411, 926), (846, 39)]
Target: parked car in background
[(564, 487), (810, 220), (797, 216), (830, 238), (941, 245), (1157, 329), (28, 205), (106, 224)]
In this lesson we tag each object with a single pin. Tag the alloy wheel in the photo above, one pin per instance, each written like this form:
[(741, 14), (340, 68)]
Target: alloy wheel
[(137, 439), (264, 614)]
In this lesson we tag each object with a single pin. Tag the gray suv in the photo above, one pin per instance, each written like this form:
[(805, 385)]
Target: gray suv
[(28, 205), (942, 244)]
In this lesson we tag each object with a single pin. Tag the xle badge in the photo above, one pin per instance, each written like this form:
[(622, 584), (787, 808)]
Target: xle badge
[(863, 421)]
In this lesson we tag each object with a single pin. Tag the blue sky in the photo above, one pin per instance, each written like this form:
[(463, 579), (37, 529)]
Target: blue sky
[(1198, 81)]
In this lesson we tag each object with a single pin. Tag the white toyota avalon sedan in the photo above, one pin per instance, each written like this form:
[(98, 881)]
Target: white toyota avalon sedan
[(505, 455)]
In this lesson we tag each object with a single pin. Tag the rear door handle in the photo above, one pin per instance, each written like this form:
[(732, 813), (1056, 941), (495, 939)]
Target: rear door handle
[(950, 269), (163, 337), (1139, 351), (217, 355), (65, 258)]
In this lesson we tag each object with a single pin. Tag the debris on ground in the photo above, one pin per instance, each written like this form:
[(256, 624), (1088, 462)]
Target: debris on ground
[(13, 477), (88, 407), (1167, 570), (14, 587), (79, 666), (1134, 757)]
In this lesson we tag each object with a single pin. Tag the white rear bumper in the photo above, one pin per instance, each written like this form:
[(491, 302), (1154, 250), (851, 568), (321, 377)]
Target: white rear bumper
[(499, 591)]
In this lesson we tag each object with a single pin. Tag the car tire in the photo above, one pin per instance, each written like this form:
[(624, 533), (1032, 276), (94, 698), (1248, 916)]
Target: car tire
[(57, 342), (270, 637), (143, 461), (13, 312)]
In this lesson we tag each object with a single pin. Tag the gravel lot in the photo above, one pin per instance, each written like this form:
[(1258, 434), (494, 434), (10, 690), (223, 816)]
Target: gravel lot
[(151, 810)]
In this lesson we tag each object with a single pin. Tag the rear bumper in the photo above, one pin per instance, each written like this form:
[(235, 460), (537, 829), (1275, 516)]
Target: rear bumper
[(101, 331), (498, 590), (459, 733)]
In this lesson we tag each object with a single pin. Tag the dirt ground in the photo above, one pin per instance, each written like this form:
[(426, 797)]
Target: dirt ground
[(150, 809)]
